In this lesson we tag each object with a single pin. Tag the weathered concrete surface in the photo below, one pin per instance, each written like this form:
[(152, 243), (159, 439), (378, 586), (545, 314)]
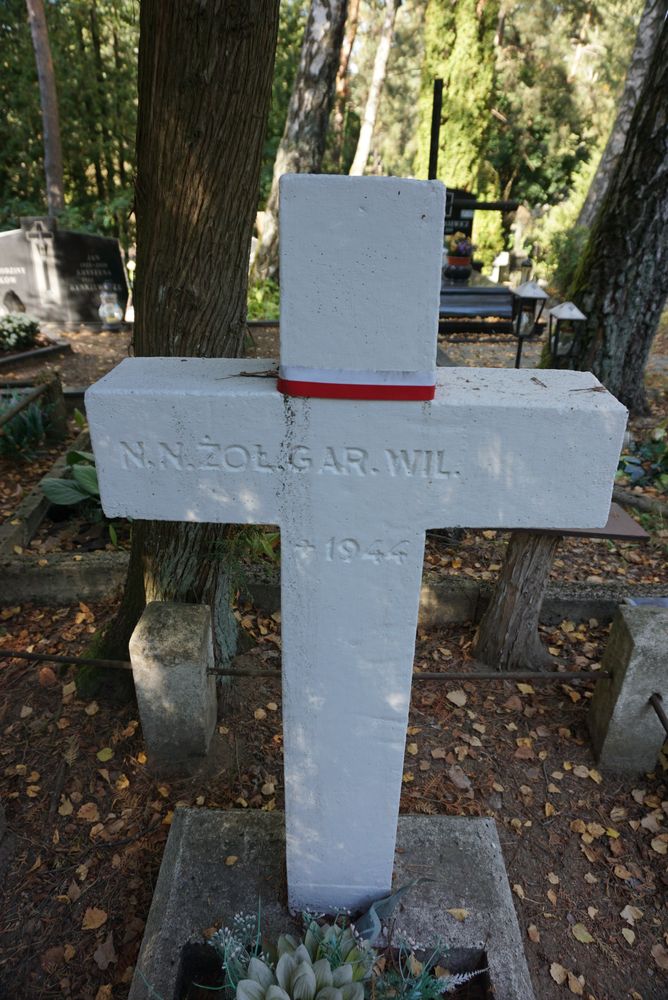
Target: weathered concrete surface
[(64, 578), (171, 650), (463, 858), (196, 890), (626, 732)]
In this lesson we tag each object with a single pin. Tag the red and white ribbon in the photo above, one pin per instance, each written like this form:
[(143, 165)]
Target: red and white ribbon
[(338, 383)]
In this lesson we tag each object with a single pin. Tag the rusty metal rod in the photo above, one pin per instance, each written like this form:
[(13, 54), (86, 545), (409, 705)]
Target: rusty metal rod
[(656, 701), (478, 675), (21, 404)]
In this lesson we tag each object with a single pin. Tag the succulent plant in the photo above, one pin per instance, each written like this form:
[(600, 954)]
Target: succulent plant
[(297, 977)]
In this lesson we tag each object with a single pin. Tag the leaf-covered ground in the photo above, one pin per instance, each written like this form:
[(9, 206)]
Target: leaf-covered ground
[(586, 853)]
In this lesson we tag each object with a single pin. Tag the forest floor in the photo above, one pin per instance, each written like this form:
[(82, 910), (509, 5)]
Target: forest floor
[(586, 853)]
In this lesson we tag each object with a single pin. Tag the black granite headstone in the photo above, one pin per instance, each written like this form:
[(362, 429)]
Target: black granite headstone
[(56, 275), (457, 218)]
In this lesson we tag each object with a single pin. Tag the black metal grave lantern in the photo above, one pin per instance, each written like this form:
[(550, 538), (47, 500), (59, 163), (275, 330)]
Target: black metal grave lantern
[(530, 301), (563, 326)]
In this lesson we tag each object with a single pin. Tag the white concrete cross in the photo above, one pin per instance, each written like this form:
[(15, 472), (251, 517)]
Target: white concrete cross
[(353, 484)]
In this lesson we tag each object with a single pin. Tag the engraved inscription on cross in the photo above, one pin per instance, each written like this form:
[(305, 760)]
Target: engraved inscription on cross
[(352, 457)]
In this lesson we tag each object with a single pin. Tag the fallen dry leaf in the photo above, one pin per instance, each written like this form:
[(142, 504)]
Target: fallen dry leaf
[(660, 955), (105, 953), (458, 778), (231, 859), (458, 914), (630, 914), (576, 984), (558, 973), (457, 697), (628, 934), (533, 933), (93, 918), (88, 812), (581, 934)]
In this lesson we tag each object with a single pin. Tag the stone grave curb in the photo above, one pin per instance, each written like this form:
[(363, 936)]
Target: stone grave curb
[(461, 856), (54, 349), (21, 527), (97, 575)]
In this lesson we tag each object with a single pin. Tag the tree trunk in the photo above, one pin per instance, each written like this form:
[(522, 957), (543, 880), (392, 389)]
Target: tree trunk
[(205, 73), (648, 32), (621, 282), (303, 144), (91, 117), (341, 86), (507, 637), (377, 80), (102, 103), (53, 157)]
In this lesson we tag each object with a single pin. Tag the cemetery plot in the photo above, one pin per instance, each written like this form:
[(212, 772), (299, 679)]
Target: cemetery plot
[(94, 819)]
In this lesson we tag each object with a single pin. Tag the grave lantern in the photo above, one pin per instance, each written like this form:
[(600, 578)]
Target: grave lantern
[(525, 269), (530, 301), (110, 311), (564, 321)]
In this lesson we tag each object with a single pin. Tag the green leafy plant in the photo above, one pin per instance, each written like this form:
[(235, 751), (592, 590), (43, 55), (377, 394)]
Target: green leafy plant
[(82, 489), (17, 332), (405, 977), (330, 962), (25, 431), (263, 300)]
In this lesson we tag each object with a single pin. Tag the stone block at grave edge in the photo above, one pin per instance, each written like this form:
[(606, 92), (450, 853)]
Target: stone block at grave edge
[(365, 446)]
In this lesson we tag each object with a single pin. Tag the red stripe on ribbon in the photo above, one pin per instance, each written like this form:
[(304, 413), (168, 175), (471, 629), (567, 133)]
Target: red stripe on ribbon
[(346, 390)]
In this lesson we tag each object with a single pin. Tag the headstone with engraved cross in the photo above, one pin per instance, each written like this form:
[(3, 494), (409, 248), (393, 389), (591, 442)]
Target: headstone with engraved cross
[(360, 446)]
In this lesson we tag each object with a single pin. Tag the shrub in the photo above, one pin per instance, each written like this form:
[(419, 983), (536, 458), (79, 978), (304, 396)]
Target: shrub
[(24, 432), (17, 332)]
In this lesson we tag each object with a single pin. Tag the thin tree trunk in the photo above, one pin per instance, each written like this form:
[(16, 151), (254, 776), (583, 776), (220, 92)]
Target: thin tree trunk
[(621, 283), (205, 73), (53, 157), (377, 81), (507, 637), (303, 144), (102, 104), (342, 86), (91, 117), (648, 33)]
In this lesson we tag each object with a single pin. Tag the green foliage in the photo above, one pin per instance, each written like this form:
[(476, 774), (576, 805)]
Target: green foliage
[(647, 464), (264, 299), (82, 490), (94, 48), (329, 962), (18, 332), (459, 49), (24, 432), (406, 978)]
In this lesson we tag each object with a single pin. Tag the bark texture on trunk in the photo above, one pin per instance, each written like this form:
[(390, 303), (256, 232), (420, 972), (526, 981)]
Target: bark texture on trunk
[(507, 637), (648, 33), (375, 90), (205, 73), (341, 85), (621, 282), (48, 95), (303, 144)]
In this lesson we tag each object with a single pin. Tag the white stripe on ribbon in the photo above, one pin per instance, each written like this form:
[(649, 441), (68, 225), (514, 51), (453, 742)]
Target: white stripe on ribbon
[(342, 376)]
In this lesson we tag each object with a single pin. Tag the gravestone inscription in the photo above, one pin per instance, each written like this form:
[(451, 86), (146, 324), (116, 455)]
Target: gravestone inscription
[(365, 446), (57, 275)]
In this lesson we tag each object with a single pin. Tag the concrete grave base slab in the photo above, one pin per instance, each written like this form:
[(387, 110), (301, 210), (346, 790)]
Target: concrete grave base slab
[(196, 890)]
